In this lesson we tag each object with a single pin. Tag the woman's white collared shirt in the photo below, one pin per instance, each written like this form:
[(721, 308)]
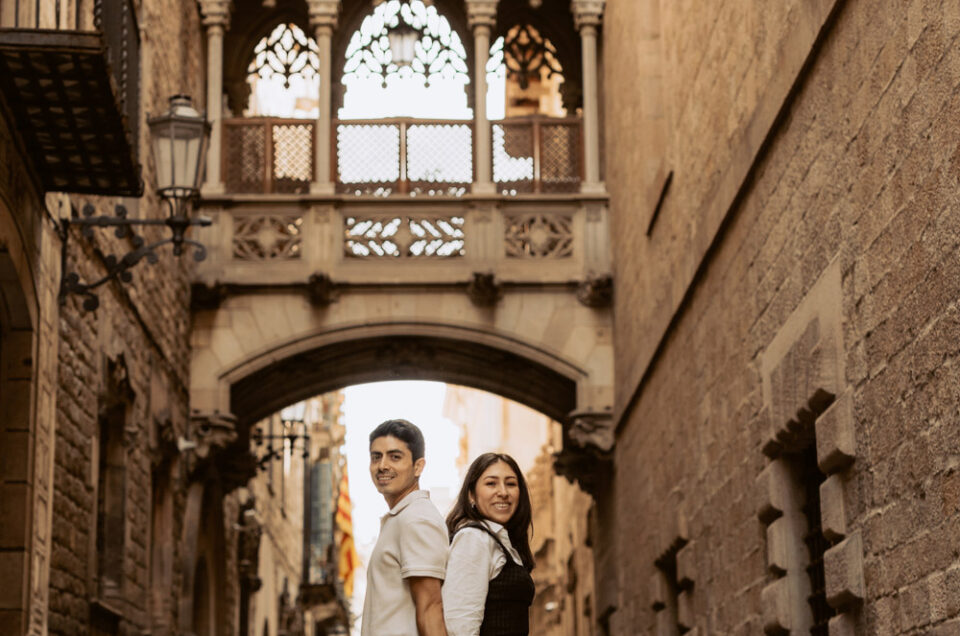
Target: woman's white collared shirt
[(475, 559)]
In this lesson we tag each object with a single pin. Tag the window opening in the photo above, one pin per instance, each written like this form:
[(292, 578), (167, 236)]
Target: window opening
[(284, 75), (816, 543), (111, 477), (667, 564), (524, 75), (430, 85)]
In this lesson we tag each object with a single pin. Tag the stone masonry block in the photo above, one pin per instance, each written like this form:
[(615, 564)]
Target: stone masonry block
[(772, 491), (685, 610), (843, 567), (836, 440), (771, 446), (658, 590), (775, 598), (779, 537), (687, 566), (665, 624), (11, 579), (833, 515), (842, 625)]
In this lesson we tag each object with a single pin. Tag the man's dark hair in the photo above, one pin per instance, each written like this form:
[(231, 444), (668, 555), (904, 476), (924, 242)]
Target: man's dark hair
[(404, 431)]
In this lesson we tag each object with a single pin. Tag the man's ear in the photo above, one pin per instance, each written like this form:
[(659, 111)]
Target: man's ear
[(418, 466)]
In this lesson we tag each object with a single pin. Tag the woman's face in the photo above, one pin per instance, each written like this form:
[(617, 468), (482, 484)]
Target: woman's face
[(497, 492)]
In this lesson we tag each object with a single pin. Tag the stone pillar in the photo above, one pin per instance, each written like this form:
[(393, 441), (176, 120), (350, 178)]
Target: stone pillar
[(216, 19), (482, 16), (587, 15), (323, 20)]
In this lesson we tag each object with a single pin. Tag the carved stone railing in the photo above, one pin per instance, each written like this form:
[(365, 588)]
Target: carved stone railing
[(482, 245), (403, 156)]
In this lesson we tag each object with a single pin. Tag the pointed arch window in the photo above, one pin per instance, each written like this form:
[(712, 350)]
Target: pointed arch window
[(430, 86), (284, 75), (524, 75)]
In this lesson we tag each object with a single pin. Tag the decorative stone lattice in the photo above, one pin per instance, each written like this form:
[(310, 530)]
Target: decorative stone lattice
[(539, 236), (410, 236), (267, 237), (438, 51), (287, 52)]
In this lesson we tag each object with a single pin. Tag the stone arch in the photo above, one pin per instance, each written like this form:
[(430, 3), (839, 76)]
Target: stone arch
[(257, 352), (362, 354), (20, 555)]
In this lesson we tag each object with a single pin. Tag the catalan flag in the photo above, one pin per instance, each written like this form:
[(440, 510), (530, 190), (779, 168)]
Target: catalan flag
[(347, 551)]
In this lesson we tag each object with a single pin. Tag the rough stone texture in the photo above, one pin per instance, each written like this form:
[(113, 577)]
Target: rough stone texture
[(860, 170), (146, 322)]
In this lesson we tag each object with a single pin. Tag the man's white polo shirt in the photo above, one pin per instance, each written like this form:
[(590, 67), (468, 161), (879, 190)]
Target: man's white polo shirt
[(413, 542)]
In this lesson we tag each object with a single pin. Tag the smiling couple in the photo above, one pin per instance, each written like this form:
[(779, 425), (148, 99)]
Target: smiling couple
[(417, 585)]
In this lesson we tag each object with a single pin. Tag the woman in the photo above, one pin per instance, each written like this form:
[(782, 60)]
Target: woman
[(488, 588)]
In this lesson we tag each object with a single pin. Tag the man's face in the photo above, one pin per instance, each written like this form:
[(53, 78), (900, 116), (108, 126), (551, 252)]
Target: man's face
[(392, 468)]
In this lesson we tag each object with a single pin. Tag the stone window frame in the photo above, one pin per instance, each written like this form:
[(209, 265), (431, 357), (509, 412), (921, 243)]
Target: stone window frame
[(672, 582), (805, 394)]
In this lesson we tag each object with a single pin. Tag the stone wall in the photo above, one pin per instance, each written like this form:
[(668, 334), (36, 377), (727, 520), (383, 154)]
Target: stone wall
[(813, 150), (141, 328)]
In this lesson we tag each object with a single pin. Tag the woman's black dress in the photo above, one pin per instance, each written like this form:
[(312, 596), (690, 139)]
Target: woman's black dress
[(509, 596)]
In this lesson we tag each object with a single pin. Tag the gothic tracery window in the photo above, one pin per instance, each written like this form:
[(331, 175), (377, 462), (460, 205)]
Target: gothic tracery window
[(430, 85), (284, 74)]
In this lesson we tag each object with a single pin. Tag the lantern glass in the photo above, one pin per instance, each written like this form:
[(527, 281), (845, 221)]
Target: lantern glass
[(403, 41), (179, 144)]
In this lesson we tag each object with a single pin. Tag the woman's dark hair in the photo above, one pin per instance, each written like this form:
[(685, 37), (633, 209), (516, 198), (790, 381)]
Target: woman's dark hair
[(519, 525), (404, 431)]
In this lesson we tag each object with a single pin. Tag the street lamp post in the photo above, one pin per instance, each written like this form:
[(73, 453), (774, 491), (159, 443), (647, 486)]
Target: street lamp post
[(179, 144)]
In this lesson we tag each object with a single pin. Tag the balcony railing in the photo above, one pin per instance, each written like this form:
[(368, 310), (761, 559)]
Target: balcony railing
[(265, 155), (384, 157), (387, 156)]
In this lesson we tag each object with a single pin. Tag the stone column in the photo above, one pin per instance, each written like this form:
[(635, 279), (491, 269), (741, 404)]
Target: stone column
[(481, 16), (216, 19), (323, 20), (587, 15)]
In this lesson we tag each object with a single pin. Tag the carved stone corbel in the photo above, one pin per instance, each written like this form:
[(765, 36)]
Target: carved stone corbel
[(596, 291), (484, 290), (212, 432), (322, 289), (587, 455), (207, 297)]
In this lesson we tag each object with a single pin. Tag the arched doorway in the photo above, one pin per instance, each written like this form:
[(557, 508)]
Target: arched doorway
[(18, 468)]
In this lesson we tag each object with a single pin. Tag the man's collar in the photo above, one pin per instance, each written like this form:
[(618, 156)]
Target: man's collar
[(407, 500)]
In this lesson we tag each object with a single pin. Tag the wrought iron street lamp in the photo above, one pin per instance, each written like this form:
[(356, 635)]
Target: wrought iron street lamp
[(292, 418), (179, 143)]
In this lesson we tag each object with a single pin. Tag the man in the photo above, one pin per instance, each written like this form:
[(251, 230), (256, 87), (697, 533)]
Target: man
[(407, 565)]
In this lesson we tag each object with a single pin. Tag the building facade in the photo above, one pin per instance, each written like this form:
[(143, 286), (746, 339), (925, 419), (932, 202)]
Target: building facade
[(721, 254)]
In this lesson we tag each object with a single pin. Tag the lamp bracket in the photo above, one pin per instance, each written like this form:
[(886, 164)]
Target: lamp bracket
[(119, 269)]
